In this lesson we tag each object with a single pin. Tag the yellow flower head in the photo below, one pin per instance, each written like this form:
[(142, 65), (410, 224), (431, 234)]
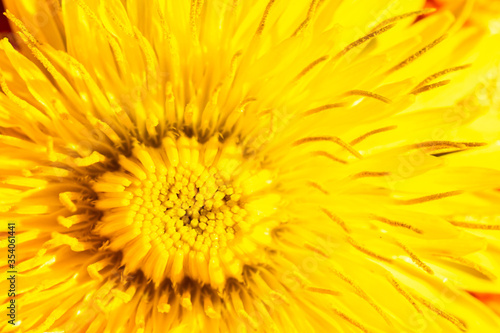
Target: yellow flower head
[(248, 165)]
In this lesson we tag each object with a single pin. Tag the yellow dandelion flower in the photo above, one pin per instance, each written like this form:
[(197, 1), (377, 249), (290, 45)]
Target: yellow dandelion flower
[(241, 166)]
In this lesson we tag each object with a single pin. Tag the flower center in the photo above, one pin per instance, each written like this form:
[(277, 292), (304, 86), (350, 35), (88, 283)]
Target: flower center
[(187, 210)]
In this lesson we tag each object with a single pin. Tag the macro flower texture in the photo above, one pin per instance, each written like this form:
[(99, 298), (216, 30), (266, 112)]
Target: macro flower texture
[(250, 166)]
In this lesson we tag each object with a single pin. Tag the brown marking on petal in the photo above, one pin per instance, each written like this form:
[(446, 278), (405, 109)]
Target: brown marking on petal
[(333, 139), (403, 292), (403, 16), (309, 67), (417, 55), (366, 251), (262, 23), (323, 108), (451, 318), (430, 87), (363, 40), (196, 6), (352, 321), (318, 187), (441, 73), (475, 225), (370, 94), (361, 293), (367, 135), (428, 198), (244, 103), (366, 174), (336, 219), (439, 145), (324, 291), (415, 258), (396, 223), (265, 112), (328, 155), (315, 250), (305, 23)]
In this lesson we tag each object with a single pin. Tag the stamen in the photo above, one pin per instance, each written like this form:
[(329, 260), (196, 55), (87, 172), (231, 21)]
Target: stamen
[(333, 139), (246, 102), (115, 47), (368, 94), (367, 135), (20, 25), (366, 174), (93, 158), (328, 155), (94, 269), (186, 300), (429, 87), (109, 131), (301, 27), (450, 144), (192, 16), (476, 225), (403, 16), (441, 73), (61, 239), (123, 27), (163, 306), (163, 22), (417, 55), (67, 198), (209, 307), (336, 219), (20, 102), (306, 22), (415, 259), (318, 187), (280, 296), (351, 320), (311, 66), (315, 250), (262, 23), (147, 52), (40, 57), (396, 223), (234, 65), (362, 294), (123, 297), (366, 251), (428, 198), (200, 7), (68, 222), (323, 108), (133, 168), (324, 291), (403, 292), (452, 319), (362, 40)]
